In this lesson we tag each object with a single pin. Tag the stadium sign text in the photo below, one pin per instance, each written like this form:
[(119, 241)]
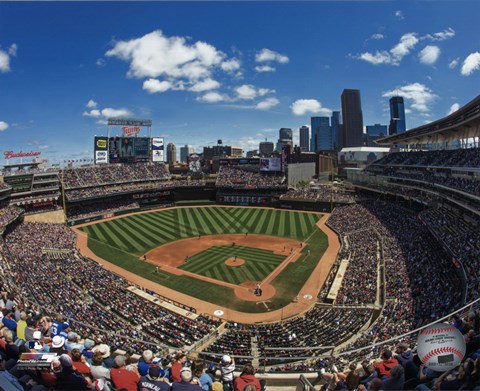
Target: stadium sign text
[(129, 122), (128, 131), (11, 154)]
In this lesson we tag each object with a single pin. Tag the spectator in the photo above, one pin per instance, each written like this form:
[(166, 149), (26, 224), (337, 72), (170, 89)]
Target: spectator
[(198, 371), (247, 377), (384, 366), (154, 380), (69, 378), (145, 362), (97, 369), (227, 368), (179, 361), (123, 377), (187, 382), (396, 381)]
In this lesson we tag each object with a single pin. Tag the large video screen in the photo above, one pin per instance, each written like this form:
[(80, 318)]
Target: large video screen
[(271, 164), (128, 149)]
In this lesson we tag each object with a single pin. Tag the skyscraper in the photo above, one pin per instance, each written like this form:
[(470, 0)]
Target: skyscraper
[(304, 138), (352, 119), (265, 148), (285, 137), (397, 115), (171, 153), (185, 152), (337, 128), (322, 139)]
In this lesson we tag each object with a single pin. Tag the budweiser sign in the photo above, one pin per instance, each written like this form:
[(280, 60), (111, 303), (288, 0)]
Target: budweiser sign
[(128, 131), (11, 154)]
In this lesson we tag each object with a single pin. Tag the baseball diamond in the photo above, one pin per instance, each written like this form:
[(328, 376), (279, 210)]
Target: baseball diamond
[(191, 245)]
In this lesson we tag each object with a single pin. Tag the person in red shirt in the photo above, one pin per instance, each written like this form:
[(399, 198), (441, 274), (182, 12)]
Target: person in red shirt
[(123, 377), (79, 364), (177, 365), (383, 367), (246, 377)]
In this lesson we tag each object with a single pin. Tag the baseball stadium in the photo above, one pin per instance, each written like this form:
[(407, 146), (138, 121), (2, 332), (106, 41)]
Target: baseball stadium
[(224, 261)]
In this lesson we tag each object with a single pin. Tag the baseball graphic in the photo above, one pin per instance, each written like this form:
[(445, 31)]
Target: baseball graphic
[(441, 347)]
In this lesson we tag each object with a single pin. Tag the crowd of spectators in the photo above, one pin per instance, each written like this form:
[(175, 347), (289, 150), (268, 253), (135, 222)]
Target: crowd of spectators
[(94, 299), (8, 214), (415, 266), (113, 173), (462, 237), (324, 193), (465, 184), (4, 186), (75, 212), (469, 157), (247, 178)]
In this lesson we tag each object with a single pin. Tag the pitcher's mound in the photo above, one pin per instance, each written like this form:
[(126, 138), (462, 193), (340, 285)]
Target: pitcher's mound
[(234, 262)]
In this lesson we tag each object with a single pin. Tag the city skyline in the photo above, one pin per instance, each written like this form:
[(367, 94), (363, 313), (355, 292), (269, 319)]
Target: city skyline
[(239, 71)]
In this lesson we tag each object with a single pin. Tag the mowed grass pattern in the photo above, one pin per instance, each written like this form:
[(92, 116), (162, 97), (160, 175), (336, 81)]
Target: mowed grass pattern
[(141, 233), (211, 263)]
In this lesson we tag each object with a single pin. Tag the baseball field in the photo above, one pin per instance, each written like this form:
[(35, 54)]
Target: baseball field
[(206, 252)]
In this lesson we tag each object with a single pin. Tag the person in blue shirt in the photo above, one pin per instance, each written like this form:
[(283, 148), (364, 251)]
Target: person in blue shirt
[(59, 327)]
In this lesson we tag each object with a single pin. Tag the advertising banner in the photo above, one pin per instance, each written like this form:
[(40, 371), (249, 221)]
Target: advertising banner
[(157, 149), (101, 150)]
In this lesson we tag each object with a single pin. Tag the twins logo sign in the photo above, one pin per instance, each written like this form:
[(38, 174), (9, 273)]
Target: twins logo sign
[(441, 347)]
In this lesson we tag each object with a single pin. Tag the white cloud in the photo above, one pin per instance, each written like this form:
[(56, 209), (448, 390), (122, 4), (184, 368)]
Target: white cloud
[(382, 57), (43, 147), (212, 97), (92, 113), (429, 55), (305, 106), (267, 104), (91, 104), (264, 68), (230, 65), (4, 62), (267, 55), (3, 126), (420, 96), (407, 43), (471, 64), (12, 50), (248, 91), (454, 63), (205, 85), (153, 86), (116, 113), (399, 15), (101, 62), (442, 35), (453, 108), (107, 113), (395, 55), (174, 63), (377, 36)]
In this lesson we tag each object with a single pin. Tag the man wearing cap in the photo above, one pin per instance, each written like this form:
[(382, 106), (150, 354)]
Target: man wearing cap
[(30, 329), (87, 351), (154, 380), (226, 369), (57, 345), (187, 382), (123, 377), (69, 378), (404, 355)]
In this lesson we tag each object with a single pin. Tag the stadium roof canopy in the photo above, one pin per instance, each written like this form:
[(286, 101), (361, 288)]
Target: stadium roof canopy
[(461, 125)]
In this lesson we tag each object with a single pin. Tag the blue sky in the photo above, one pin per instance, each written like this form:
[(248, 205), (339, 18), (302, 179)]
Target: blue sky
[(237, 71)]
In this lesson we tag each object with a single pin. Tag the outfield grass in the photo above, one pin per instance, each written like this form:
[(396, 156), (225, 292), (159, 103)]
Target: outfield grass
[(124, 240)]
